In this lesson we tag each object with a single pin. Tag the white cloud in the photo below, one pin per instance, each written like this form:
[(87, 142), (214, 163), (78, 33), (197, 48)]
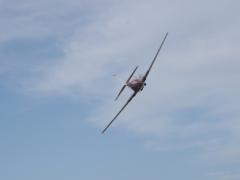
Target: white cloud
[(197, 70), (38, 19)]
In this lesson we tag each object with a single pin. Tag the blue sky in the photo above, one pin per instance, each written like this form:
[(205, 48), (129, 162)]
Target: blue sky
[(57, 91)]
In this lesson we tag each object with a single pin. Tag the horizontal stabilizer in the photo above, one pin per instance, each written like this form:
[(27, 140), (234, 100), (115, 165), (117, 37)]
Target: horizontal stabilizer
[(124, 86)]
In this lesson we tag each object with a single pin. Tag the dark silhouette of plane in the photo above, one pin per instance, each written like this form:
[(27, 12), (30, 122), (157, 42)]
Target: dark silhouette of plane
[(136, 84)]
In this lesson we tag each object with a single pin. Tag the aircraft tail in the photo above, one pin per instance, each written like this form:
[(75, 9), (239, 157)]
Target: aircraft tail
[(126, 83)]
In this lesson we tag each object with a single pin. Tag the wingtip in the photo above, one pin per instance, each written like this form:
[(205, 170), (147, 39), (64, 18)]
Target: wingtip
[(103, 131)]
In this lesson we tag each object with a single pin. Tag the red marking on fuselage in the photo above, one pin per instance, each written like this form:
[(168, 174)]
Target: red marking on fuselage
[(136, 85)]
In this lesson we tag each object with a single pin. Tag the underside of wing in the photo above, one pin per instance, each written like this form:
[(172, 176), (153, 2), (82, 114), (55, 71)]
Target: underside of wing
[(154, 59), (129, 100)]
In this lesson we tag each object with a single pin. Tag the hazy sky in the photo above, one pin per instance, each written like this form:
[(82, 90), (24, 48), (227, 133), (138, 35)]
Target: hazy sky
[(57, 91)]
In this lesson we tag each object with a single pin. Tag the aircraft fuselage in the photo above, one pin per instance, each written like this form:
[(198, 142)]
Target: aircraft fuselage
[(136, 85)]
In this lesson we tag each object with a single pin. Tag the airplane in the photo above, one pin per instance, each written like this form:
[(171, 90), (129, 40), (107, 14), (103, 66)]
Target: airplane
[(137, 84)]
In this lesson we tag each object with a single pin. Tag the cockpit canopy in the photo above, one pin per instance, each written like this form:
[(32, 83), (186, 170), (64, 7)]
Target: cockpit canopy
[(138, 77)]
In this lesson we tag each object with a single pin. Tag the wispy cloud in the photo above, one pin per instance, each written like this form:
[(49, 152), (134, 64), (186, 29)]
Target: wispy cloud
[(193, 91)]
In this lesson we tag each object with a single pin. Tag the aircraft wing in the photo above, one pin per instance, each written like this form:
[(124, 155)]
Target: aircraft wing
[(145, 76), (133, 95)]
